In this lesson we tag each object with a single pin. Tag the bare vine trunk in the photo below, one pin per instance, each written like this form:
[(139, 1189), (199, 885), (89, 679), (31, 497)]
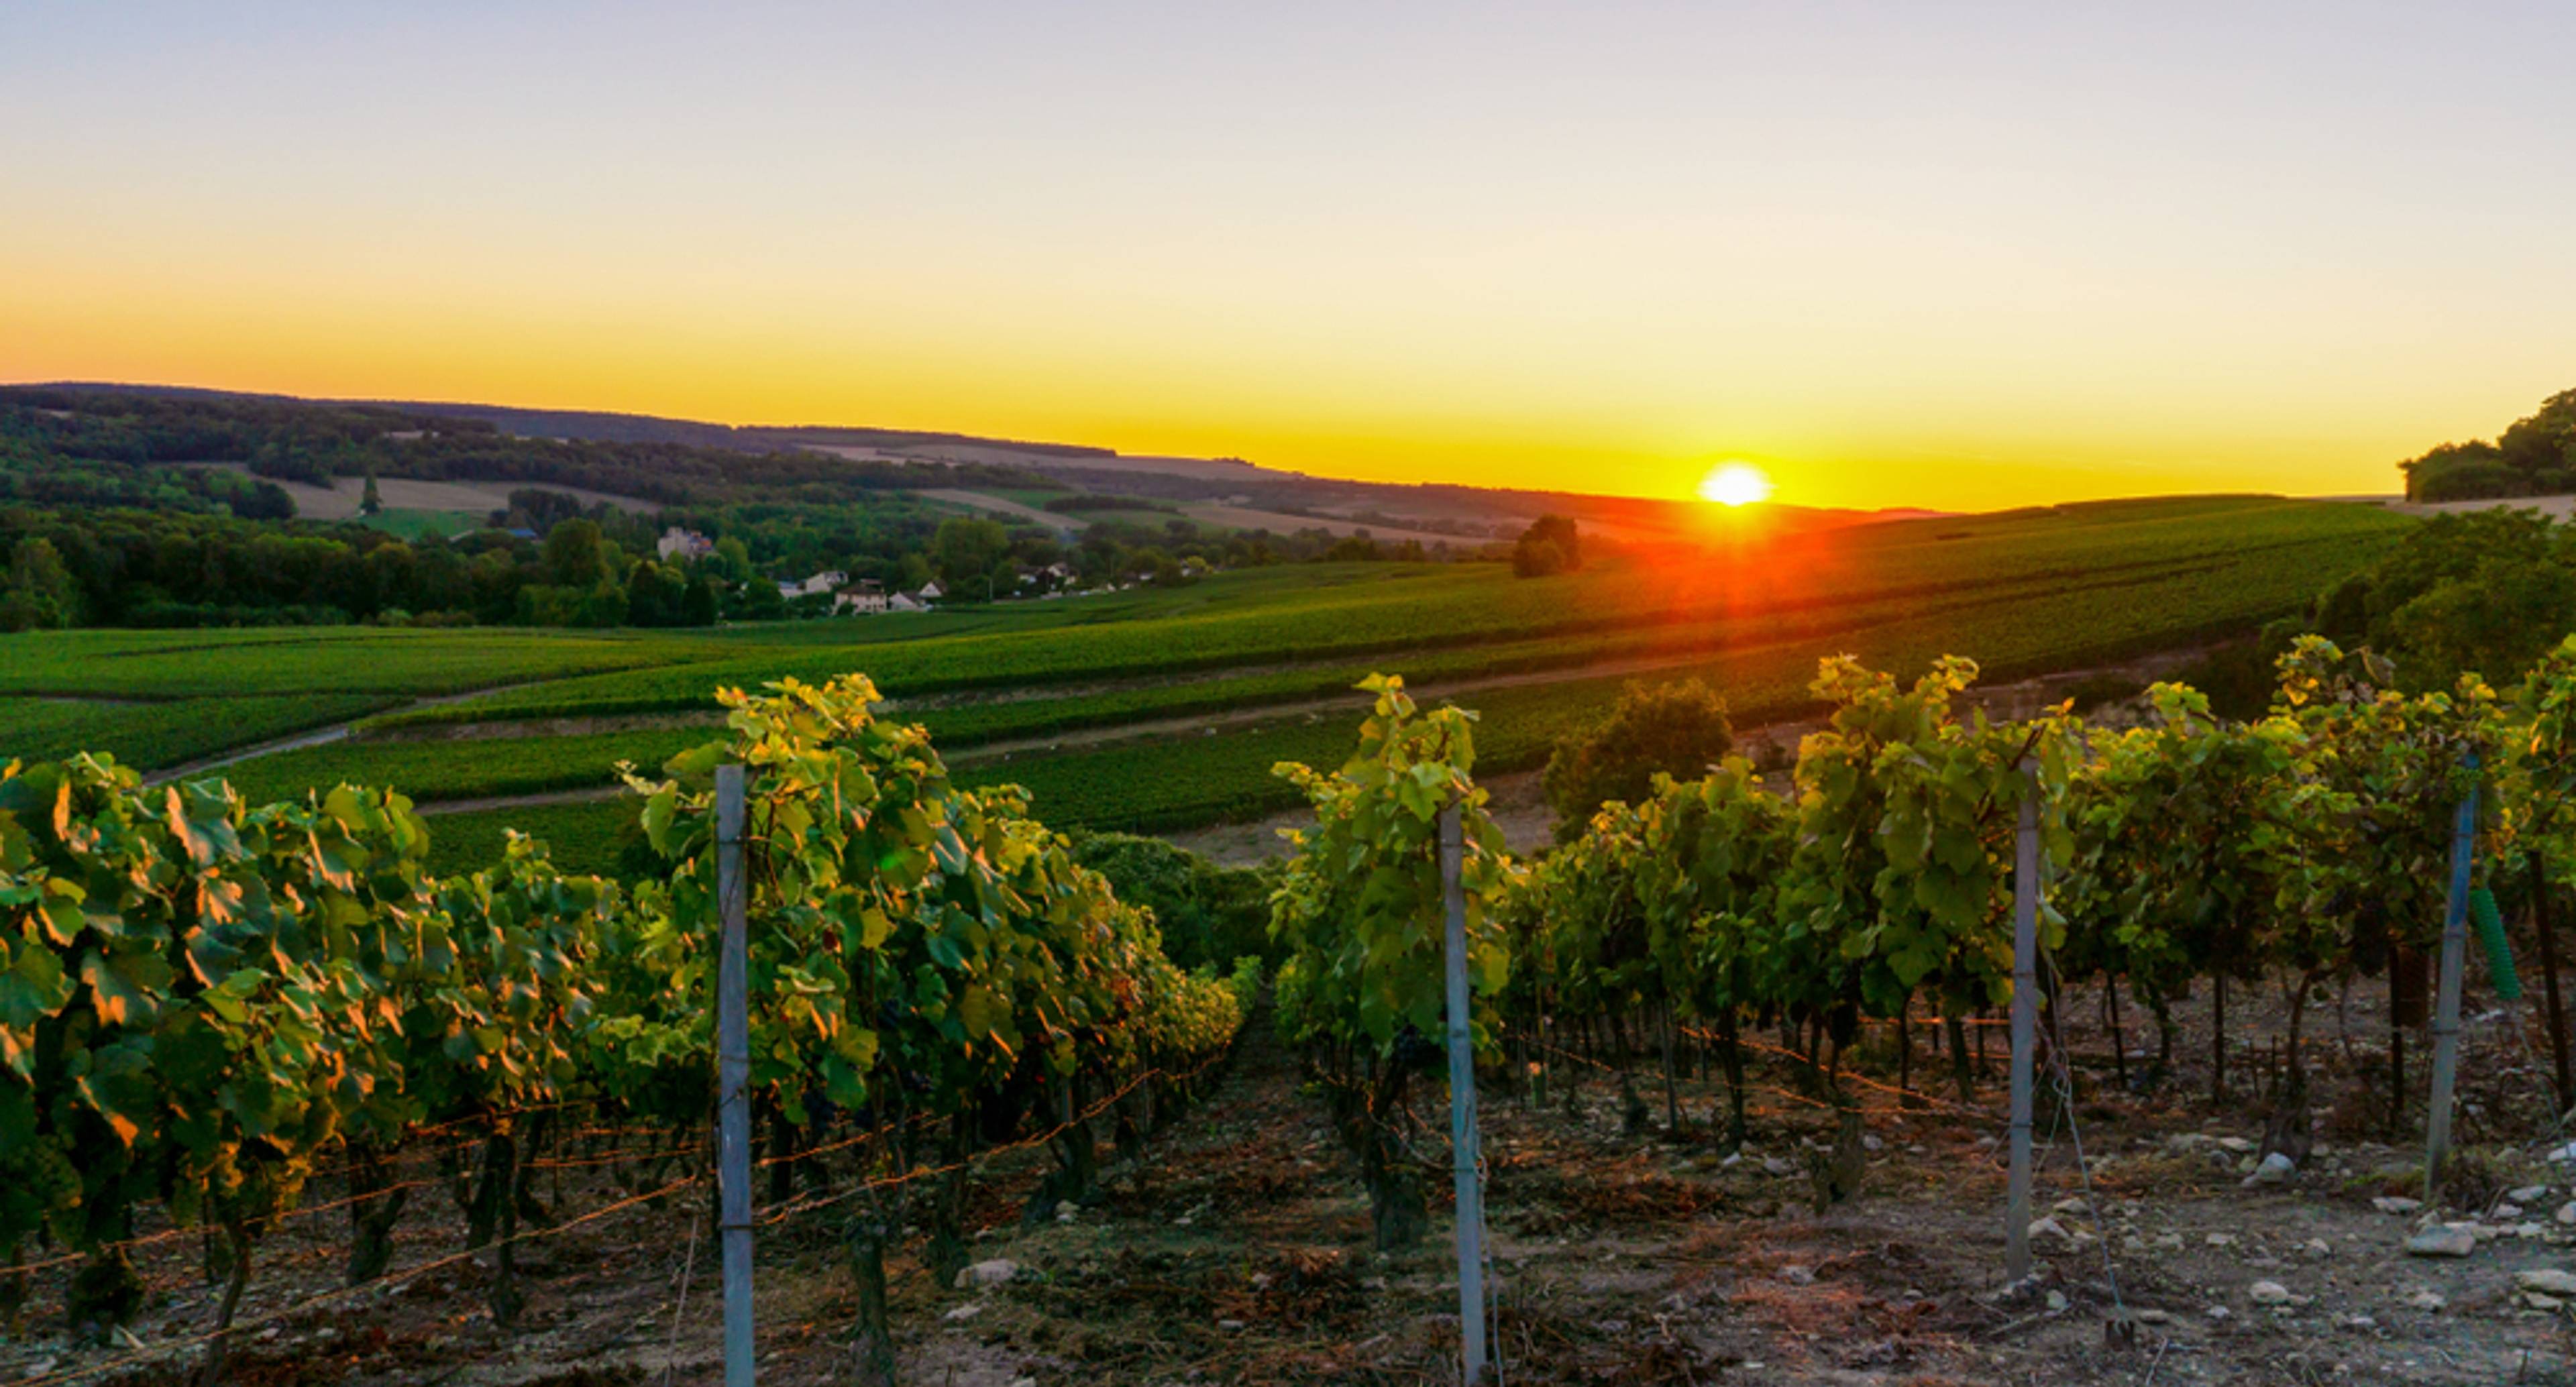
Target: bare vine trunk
[(501, 1177), (237, 1239), (1399, 1210), (1905, 1053), (945, 1255), (1959, 1071), (1672, 1097), (2547, 932), (872, 1343), (1731, 1055), (2218, 1039), (373, 1210), (2119, 1033)]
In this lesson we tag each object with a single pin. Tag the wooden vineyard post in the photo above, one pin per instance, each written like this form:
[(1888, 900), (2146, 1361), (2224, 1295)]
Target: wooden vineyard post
[(2446, 999), (1462, 1107), (733, 1077), (2025, 1003), (2546, 928)]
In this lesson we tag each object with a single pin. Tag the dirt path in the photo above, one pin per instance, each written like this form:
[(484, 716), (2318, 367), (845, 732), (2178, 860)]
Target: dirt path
[(1281, 522), (1527, 821), (596, 794), (1003, 505), (341, 499), (319, 736)]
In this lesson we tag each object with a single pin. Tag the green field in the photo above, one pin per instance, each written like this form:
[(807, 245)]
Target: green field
[(473, 714), (1345, 611), (166, 733), (412, 524)]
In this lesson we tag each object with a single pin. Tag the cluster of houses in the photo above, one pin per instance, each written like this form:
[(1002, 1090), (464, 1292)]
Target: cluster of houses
[(867, 596), (677, 544)]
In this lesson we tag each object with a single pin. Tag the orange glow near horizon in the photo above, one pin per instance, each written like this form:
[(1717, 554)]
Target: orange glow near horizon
[(1244, 231)]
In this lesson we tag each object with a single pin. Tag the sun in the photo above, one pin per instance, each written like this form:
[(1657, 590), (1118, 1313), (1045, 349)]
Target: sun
[(1735, 484)]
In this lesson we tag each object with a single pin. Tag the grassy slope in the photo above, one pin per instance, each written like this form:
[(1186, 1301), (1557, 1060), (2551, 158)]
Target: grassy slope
[(165, 733), (1277, 616), (2023, 592), (1172, 782)]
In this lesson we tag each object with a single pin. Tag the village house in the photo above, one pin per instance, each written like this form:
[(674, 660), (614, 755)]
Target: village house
[(677, 543), (865, 597), (828, 581)]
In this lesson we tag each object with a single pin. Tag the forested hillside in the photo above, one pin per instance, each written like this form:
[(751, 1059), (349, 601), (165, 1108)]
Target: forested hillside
[(2535, 456), (126, 507)]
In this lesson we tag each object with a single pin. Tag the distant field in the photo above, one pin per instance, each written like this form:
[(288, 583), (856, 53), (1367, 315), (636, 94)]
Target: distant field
[(1184, 782), (317, 659), (1334, 615), (584, 837), (1280, 522), (1009, 510), (1107, 699), (412, 524), (341, 499), (164, 733)]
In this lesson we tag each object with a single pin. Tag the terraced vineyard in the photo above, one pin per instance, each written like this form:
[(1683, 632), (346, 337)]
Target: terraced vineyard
[(1164, 709)]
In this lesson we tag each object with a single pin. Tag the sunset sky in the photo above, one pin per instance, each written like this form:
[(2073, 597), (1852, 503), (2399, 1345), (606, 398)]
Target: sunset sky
[(1951, 255)]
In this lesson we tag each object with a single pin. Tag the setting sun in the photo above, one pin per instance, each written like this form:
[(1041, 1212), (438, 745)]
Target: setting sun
[(1735, 484)]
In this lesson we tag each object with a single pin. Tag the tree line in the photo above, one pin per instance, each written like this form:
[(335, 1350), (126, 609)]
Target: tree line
[(2535, 456), (109, 516)]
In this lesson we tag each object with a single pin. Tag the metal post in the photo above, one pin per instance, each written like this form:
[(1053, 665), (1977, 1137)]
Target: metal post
[(2446, 1001), (1462, 1107), (733, 1077), (2025, 1004)]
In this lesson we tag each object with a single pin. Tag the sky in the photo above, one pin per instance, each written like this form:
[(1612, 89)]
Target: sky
[(1958, 255)]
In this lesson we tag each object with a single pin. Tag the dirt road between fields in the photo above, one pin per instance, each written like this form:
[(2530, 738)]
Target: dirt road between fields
[(1528, 822)]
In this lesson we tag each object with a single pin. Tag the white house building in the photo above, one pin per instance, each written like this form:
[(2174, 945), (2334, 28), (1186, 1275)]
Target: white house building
[(677, 543), (865, 597), (830, 580)]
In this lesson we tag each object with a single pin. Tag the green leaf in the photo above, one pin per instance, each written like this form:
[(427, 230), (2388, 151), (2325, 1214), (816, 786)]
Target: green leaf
[(125, 988), (658, 811), (33, 988)]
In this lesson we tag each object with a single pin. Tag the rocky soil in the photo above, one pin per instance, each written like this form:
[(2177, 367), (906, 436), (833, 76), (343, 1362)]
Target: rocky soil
[(1238, 1252)]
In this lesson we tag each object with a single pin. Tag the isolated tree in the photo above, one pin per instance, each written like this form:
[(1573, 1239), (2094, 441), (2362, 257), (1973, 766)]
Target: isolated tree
[(966, 549), (573, 557), (369, 503), (698, 605), (2535, 456), (42, 594), (2544, 440), (1549, 545), (1680, 729), (654, 594), (733, 560), (262, 501), (537, 509), (1536, 559)]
